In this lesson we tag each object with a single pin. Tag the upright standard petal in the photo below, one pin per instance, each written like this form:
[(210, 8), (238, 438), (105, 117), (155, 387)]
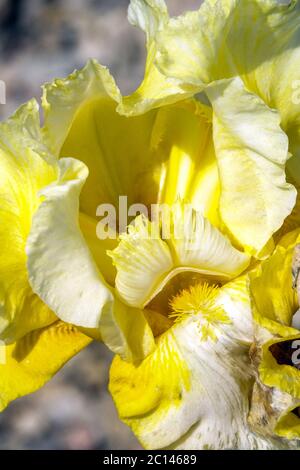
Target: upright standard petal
[(252, 151), (25, 168), (63, 98), (203, 46), (258, 40), (156, 157), (192, 48), (151, 16)]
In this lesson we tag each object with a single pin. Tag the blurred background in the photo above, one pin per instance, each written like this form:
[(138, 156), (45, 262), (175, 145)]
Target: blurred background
[(41, 40)]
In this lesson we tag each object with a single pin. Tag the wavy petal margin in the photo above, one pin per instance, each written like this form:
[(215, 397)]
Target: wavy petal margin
[(151, 16), (63, 98), (145, 262)]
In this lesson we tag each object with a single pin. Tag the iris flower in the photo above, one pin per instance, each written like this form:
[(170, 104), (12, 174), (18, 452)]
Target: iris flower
[(190, 318)]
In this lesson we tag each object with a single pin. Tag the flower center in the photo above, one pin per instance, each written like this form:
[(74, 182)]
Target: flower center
[(190, 296), (200, 303)]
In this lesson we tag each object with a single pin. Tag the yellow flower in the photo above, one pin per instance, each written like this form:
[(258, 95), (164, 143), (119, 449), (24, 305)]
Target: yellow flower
[(170, 295)]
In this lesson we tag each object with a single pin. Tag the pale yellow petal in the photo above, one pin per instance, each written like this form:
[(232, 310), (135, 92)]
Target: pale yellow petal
[(155, 90), (150, 254), (61, 269), (63, 98), (257, 40), (63, 272), (252, 151)]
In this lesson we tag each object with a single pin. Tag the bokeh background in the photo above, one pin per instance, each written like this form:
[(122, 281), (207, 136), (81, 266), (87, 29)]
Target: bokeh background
[(41, 40)]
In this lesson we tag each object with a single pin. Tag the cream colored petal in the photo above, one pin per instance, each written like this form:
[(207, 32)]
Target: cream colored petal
[(63, 98), (61, 269), (192, 47), (197, 243), (252, 151), (142, 261), (64, 274), (149, 15)]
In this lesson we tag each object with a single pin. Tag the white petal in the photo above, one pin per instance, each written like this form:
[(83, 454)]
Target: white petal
[(190, 393)]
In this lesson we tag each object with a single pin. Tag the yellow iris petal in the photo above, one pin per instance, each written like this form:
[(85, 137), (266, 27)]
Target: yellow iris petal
[(274, 299), (72, 286), (117, 151), (155, 90), (25, 168), (60, 106), (257, 40), (275, 374), (275, 302), (288, 425), (143, 158), (30, 362), (183, 133)]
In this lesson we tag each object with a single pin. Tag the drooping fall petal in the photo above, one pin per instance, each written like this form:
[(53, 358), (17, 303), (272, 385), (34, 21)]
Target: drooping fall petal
[(192, 393), (33, 360)]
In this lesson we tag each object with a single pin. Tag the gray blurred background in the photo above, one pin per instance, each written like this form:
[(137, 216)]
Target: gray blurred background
[(41, 40)]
